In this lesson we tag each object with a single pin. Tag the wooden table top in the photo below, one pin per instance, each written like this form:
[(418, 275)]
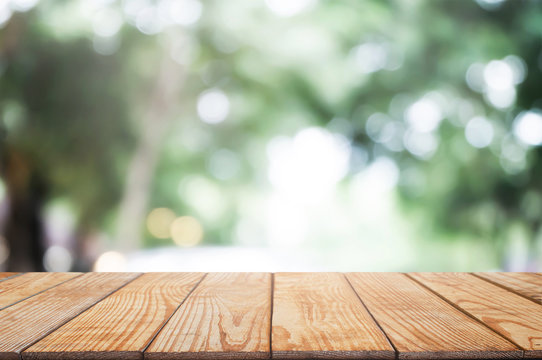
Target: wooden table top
[(270, 316)]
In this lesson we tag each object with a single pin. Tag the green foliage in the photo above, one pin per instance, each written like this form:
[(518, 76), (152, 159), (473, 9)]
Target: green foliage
[(76, 113), (72, 121)]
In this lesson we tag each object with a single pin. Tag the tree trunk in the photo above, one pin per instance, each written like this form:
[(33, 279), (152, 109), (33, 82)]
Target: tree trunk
[(163, 101), (24, 229)]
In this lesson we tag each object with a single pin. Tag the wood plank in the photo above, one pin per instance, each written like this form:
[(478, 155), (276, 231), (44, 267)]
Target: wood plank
[(26, 322), (123, 324), (526, 284), (5, 275), (423, 326), (227, 316), (511, 315), (20, 287), (319, 316)]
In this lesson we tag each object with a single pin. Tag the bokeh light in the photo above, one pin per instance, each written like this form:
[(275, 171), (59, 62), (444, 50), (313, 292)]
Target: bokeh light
[(110, 261), (57, 258), (107, 22), (498, 75), (501, 98), (186, 231), (370, 57), (421, 144), (518, 66), (528, 127), (424, 115), (213, 106), (475, 77), (204, 196), (497, 80), (148, 21), (7, 7), (479, 132), (159, 221), (61, 219), (22, 5), (183, 12), (287, 8), (5, 13), (308, 165), (106, 45), (513, 155), (490, 5), (375, 125), (296, 126), (381, 176), (224, 164)]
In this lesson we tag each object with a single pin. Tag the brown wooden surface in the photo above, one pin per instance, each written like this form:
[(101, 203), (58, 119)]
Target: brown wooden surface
[(5, 275), (26, 322), (526, 284), (513, 316), (20, 287), (270, 316), (227, 316), (123, 324), (423, 326), (310, 309)]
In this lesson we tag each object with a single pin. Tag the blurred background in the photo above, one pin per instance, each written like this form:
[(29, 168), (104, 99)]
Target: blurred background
[(270, 135)]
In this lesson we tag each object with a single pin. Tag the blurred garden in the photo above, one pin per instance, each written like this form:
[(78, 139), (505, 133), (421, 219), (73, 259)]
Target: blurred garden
[(270, 135)]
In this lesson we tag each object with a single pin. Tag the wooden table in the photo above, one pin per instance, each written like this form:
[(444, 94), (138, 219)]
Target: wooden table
[(270, 316)]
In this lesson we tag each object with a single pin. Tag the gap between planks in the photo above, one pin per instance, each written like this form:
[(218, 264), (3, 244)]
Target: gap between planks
[(319, 315), (8, 275), (272, 301), (514, 317), (372, 317), (30, 294), (47, 332), (226, 316), (509, 287), (413, 317), (451, 303), (123, 324), (272, 296), (173, 313)]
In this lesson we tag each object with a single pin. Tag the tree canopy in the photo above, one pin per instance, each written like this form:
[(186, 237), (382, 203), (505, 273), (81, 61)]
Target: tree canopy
[(279, 122)]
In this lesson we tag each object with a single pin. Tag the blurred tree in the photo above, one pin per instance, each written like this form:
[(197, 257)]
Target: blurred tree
[(163, 102), (411, 81), (67, 131)]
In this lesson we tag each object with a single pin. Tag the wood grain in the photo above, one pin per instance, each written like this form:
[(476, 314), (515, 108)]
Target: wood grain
[(319, 316), (227, 316), (511, 315), (20, 287), (26, 322), (526, 284), (5, 275), (423, 326), (123, 324), (234, 316)]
